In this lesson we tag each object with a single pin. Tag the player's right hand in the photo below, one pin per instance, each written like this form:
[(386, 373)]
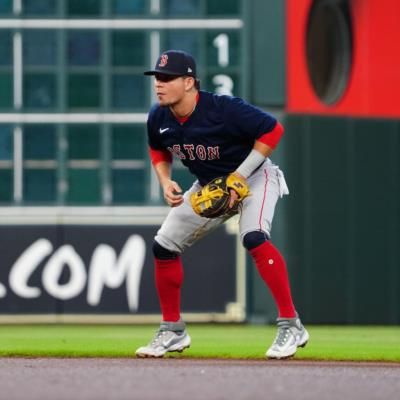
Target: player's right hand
[(173, 194)]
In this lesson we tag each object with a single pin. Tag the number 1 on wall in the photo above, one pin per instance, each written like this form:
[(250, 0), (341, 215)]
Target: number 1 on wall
[(221, 42)]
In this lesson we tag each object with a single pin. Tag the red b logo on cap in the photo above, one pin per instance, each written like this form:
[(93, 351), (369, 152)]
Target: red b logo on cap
[(163, 60)]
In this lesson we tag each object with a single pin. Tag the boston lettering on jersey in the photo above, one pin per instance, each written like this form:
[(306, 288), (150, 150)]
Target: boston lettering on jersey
[(195, 151), (216, 138)]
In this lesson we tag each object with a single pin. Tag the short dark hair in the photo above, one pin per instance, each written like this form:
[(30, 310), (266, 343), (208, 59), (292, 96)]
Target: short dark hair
[(196, 81)]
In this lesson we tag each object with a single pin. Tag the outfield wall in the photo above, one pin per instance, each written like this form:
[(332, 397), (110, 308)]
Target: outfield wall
[(96, 265), (339, 228), (332, 81)]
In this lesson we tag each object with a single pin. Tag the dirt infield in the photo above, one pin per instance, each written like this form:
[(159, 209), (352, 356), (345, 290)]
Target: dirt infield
[(176, 379)]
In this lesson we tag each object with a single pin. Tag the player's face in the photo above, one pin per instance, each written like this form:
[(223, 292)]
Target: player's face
[(170, 89)]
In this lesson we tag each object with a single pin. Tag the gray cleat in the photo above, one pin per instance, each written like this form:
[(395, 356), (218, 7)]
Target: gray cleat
[(291, 335), (171, 336)]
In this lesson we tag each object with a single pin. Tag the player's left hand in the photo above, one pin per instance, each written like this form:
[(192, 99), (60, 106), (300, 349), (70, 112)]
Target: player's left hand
[(221, 197), (233, 198), (233, 194)]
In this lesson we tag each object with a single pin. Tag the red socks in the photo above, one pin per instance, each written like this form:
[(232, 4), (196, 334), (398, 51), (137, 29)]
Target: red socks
[(272, 268), (270, 265), (169, 277)]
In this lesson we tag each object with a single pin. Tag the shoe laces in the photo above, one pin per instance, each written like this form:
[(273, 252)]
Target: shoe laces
[(283, 333), (158, 337)]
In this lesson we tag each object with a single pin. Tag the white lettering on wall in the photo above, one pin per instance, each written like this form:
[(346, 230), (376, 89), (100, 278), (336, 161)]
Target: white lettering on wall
[(24, 267), (64, 256), (3, 291), (106, 270)]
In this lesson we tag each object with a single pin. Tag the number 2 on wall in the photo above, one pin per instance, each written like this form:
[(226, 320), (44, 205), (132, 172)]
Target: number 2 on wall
[(224, 84)]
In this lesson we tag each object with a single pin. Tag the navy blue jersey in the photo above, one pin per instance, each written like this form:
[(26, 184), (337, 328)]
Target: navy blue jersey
[(216, 138)]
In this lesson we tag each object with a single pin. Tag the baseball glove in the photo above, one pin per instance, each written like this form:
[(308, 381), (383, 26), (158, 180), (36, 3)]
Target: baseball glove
[(212, 201)]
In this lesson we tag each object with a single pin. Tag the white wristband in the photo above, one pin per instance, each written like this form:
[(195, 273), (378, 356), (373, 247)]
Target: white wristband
[(251, 162)]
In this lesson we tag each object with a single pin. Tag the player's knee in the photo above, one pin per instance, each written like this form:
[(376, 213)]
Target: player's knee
[(162, 253), (253, 239)]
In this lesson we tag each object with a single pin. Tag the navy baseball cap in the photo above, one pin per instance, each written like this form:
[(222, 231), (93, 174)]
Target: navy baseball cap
[(174, 62)]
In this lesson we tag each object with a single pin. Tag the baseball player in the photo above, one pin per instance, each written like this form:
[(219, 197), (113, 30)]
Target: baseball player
[(213, 136)]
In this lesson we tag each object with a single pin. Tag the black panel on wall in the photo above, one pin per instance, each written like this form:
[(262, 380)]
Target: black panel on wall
[(326, 225), (343, 218), (376, 220), (106, 269), (266, 38)]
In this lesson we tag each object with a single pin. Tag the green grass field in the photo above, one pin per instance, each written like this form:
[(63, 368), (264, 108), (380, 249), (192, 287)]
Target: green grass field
[(214, 341)]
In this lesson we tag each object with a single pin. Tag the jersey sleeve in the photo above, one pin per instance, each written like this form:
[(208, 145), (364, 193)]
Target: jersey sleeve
[(247, 121), (157, 152), (273, 137), (157, 156), (152, 138)]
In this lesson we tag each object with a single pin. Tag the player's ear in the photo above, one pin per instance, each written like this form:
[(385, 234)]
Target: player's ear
[(189, 82)]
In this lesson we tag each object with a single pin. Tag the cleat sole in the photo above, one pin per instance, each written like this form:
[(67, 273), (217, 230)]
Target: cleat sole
[(304, 344), (180, 350), (144, 355)]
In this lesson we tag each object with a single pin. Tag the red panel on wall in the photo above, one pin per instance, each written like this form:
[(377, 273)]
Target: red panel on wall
[(374, 85)]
